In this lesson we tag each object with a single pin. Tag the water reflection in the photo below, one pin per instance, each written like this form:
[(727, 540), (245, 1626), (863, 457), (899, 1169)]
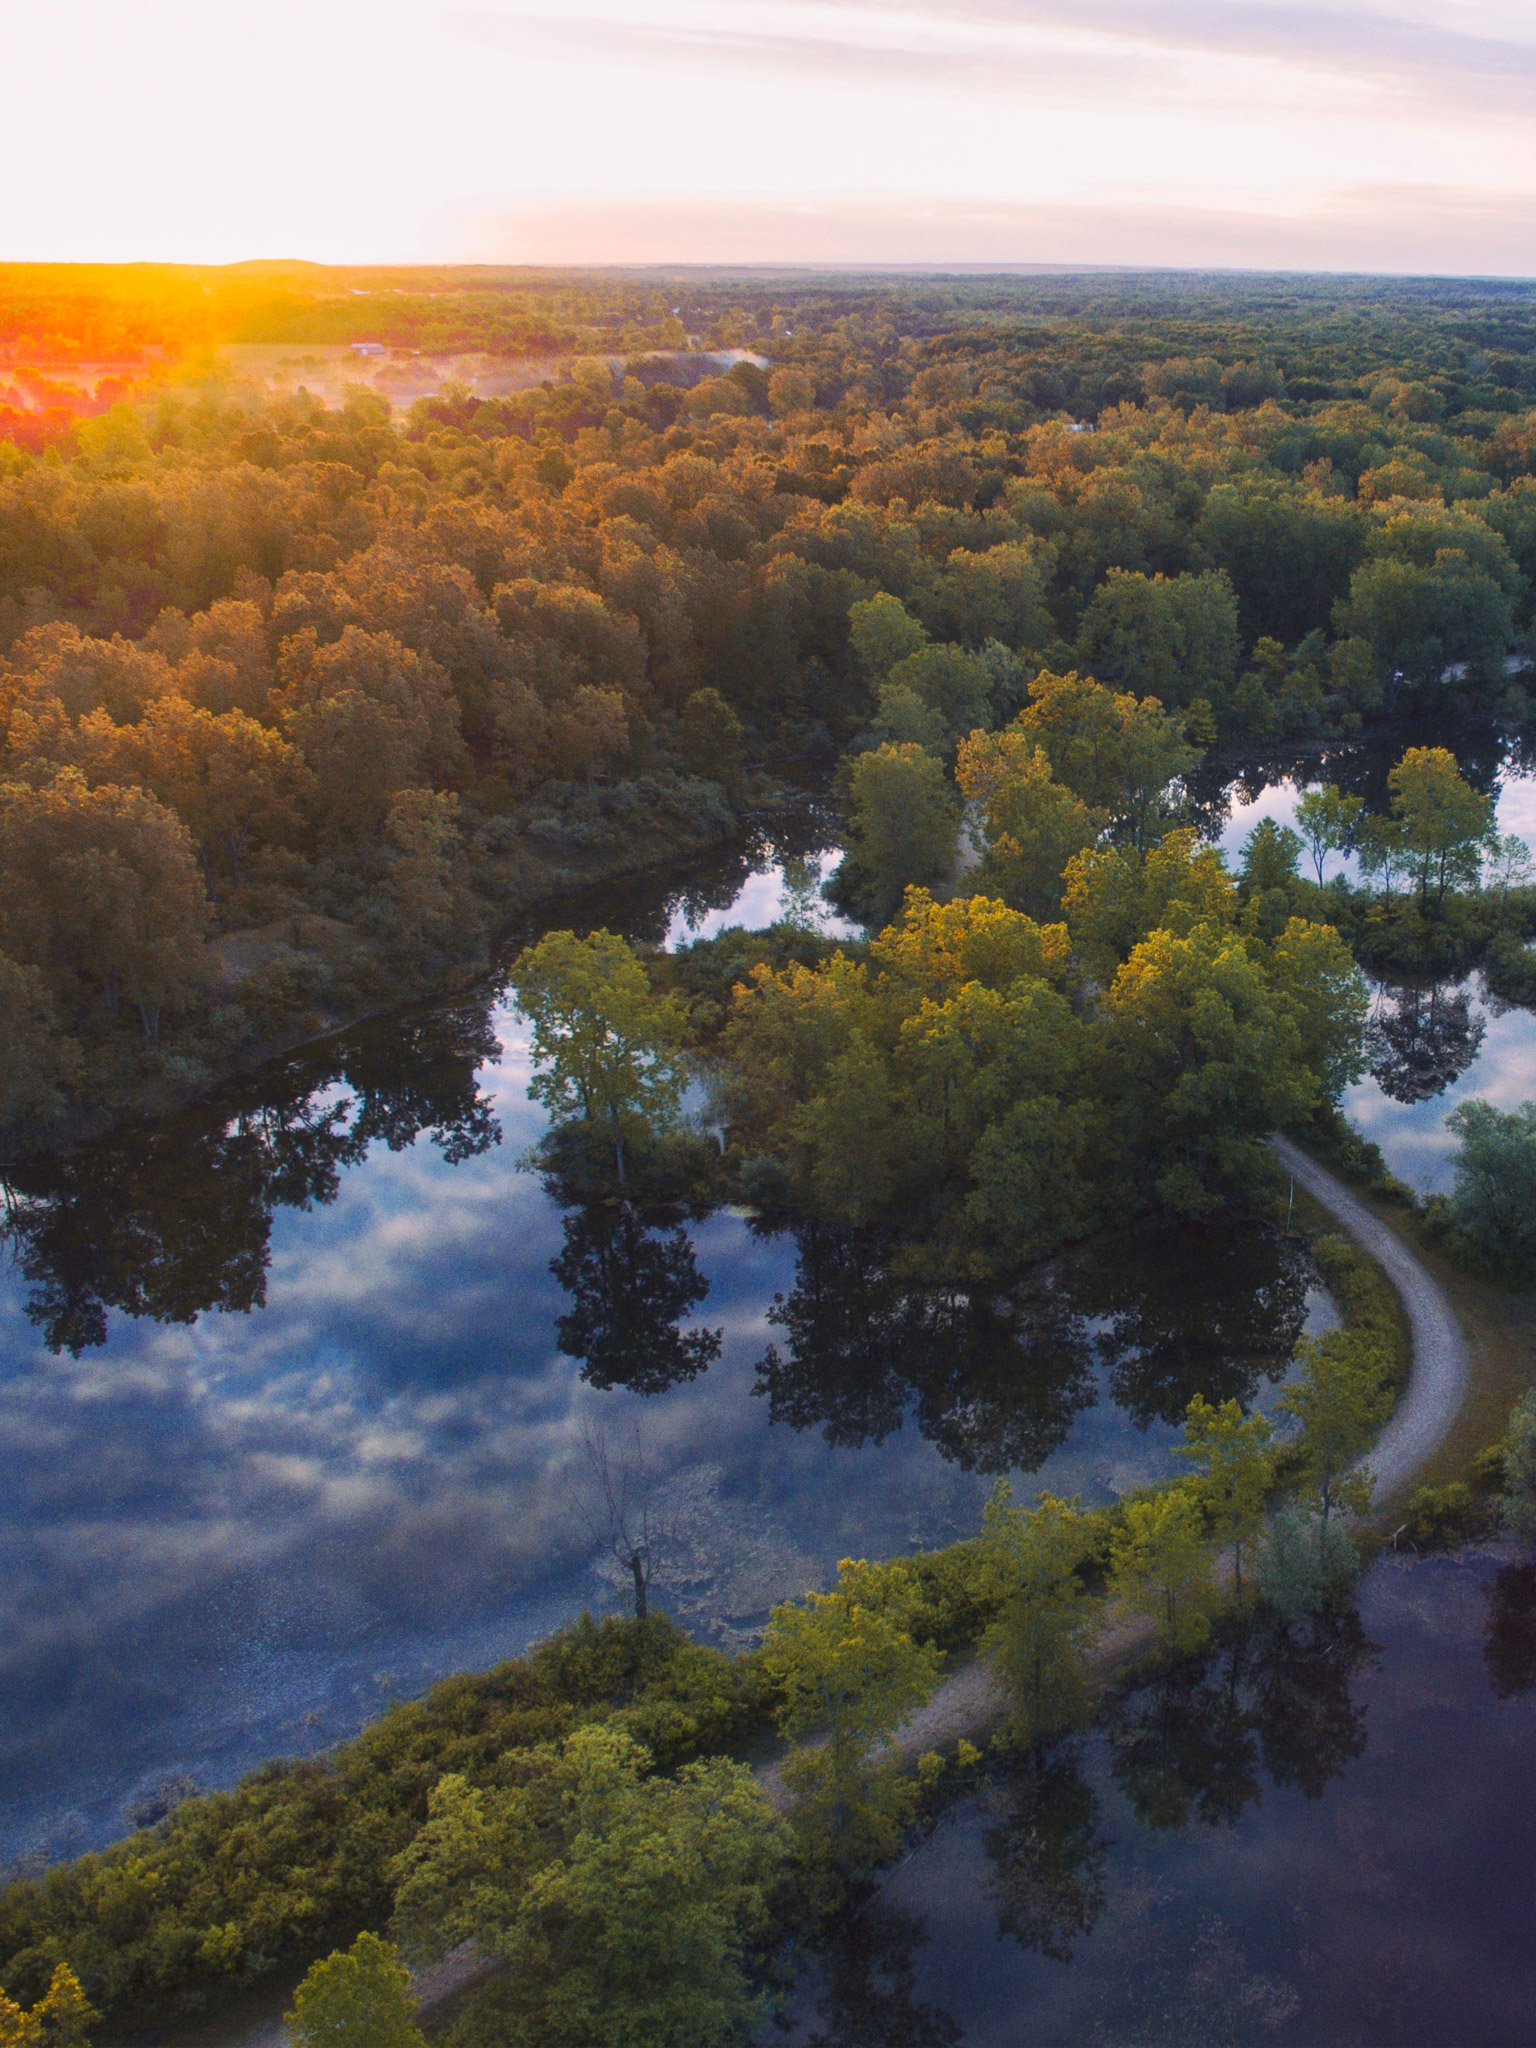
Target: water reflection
[(1316, 1835), (997, 1380), (170, 1219), (1421, 1039)]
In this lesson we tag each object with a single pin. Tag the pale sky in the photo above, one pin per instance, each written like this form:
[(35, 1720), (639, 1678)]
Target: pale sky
[(1293, 133)]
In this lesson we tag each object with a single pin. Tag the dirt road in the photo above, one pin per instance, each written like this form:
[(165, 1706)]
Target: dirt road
[(1437, 1379)]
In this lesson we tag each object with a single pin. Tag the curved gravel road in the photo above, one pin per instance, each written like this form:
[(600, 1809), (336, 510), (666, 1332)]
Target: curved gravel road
[(1437, 1378)]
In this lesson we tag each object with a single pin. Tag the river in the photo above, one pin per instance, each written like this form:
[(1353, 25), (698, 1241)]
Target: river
[(289, 1430)]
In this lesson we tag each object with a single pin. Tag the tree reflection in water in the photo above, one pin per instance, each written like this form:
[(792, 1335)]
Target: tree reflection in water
[(631, 1278), (172, 1218), (1047, 1852), (997, 1377), (865, 1963), (1420, 1040), (1509, 1647), (1274, 1698)]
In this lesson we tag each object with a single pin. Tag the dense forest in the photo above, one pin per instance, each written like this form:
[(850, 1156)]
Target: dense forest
[(302, 705)]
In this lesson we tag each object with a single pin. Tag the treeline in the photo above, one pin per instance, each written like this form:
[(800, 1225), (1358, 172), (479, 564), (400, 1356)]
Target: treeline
[(297, 702)]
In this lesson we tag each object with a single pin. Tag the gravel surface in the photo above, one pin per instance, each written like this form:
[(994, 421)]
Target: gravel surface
[(1437, 1379)]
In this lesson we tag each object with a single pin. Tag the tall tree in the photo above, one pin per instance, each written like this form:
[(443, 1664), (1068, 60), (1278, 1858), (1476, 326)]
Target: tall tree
[(1160, 1565), (1341, 1399), (1032, 1559), (1231, 1451), (609, 1049), (1446, 823), (359, 1997), (848, 1672)]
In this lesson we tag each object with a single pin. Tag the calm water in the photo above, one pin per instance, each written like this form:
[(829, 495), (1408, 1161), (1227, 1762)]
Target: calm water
[(1433, 1045), (1323, 1839), (289, 1429)]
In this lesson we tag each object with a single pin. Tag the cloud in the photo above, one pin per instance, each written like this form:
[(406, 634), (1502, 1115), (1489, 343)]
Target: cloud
[(1143, 49), (1383, 229)]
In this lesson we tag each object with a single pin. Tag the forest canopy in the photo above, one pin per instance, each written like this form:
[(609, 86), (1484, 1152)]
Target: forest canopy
[(300, 704)]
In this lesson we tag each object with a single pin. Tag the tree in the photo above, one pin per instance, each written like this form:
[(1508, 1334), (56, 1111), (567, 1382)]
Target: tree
[(954, 685), (712, 740), (1160, 1565), (103, 895), (1044, 1623), (1173, 637), (1383, 849), (40, 1063), (1120, 755), (622, 1903), (1519, 1501), (1201, 1057), (1328, 823), (422, 830), (610, 1049), (233, 782), (1270, 856), (1508, 863), (1445, 822), (1031, 824), (61, 2019), (847, 1669), (359, 1997), (1494, 1200), (905, 818), (883, 633), (1231, 1451), (1340, 1400), (1421, 620)]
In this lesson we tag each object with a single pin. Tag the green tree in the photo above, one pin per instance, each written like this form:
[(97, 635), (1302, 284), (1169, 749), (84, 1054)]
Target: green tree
[(1519, 1463), (61, 2019), (1031, 824), (905, 816), (359, 1997), (1383, 845), (623, 1903), (1494, 1199), (954, 685), (1120, 755), (40, 1063), (1445, 822), (712, 740), (1031, 1560), (847, 1672), (883, 633), (1341, 1399), (609, 1047), (1160, 1565), (1171, 637), (1270, 856), (1200, 1058), (1231, 1451), (1328, 823)]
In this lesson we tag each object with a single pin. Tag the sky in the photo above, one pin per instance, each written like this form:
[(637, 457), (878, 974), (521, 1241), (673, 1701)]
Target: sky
[(1320, 134)]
